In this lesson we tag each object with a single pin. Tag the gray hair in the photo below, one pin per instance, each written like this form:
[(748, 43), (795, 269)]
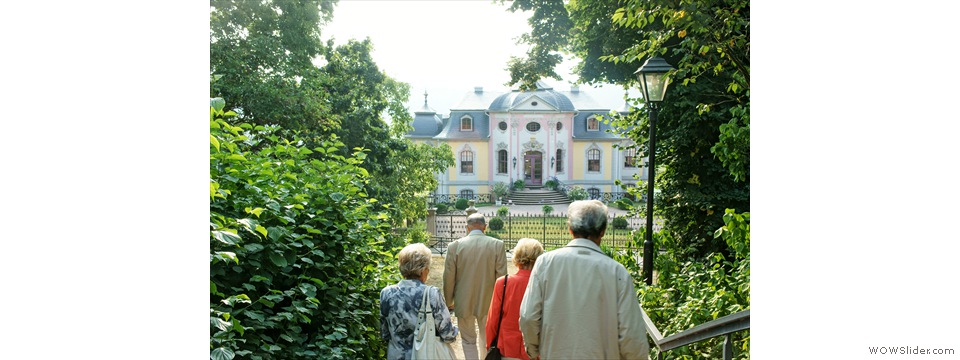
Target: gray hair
[(476, 218), (414, 259), (587, 218), (527, 251)]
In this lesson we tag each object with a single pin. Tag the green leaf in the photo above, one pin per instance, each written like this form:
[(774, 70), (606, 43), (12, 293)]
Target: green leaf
[(337, 196), (262, 230), (215, 142), (254, 211), (237, 326), (221, 353), (226, 255), (226, 237), (220, 324), (218, 104), (278, 260)]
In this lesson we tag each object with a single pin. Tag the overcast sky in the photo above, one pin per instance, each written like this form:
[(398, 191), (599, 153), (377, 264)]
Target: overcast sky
[(445, 47)]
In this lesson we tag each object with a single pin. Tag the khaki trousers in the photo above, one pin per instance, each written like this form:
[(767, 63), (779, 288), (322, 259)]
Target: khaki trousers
[(469, 336)]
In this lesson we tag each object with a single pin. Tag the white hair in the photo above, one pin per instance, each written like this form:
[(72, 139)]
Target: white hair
[(587, 218)]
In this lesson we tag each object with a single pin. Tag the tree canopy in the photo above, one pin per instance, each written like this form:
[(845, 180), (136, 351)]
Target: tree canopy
[(263, 57), (703, 132)]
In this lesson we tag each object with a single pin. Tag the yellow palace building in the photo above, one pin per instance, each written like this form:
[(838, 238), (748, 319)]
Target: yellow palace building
[(532, 136)]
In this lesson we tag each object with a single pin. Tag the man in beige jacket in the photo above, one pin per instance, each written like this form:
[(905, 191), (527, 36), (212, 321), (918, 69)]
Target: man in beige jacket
[(580, 303), (473, 264)]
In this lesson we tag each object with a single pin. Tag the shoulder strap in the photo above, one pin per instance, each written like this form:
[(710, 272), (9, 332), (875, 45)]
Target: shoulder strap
[(425, 305), (502, 300)]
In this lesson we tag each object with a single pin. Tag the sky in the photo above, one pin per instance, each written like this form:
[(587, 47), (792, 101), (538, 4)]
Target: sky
[(446, 48), (105, 193)]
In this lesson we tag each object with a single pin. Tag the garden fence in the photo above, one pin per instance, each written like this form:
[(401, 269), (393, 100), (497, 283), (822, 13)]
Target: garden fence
[(550, 229)]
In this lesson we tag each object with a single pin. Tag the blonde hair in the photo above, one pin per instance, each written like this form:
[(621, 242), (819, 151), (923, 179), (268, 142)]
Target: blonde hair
[(526, 252), (414, 259)]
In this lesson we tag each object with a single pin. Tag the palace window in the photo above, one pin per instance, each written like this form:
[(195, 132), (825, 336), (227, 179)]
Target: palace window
[(594, 193), (466, 123), (559, 160), (593, 160), (502, 125), (502, 162), (630, 158), (593, 124), (559, 126), (466, 194), (533, 126), (466, 162)]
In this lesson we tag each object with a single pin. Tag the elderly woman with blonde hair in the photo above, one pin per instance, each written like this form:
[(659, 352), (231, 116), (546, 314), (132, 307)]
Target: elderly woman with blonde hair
[(399, 304), (510, 340)]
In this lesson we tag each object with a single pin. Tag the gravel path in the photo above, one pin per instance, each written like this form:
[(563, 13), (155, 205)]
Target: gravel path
[(436, 279)]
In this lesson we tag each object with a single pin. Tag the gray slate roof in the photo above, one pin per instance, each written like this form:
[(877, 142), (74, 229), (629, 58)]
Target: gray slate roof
[(481, 126), (580, 128), (428, 124), (552, 97)]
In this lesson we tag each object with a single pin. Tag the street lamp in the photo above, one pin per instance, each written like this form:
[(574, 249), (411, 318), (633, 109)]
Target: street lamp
[(514, 162), (653, 84), (552, 160)]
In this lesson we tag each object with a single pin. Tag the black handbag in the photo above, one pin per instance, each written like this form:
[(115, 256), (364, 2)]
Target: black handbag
[(494, 352)]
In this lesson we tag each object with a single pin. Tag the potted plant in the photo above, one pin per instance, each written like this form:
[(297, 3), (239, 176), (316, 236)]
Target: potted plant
[(499, 190)]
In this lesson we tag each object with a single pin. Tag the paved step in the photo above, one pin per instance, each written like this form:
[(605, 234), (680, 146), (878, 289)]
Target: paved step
[(538, 197)]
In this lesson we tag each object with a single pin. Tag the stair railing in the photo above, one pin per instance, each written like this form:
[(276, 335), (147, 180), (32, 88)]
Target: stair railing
[(724, 326)]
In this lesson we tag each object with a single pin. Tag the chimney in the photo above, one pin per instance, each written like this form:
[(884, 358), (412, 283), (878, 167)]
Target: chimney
[(478, 89)]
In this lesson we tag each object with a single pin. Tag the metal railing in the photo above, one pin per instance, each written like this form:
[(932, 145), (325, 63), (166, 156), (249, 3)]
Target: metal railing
[(724, 326), (564, 189), (434, 199)]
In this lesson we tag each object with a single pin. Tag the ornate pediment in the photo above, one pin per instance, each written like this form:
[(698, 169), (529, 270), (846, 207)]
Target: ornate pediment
[(532, 145), (502, 146)]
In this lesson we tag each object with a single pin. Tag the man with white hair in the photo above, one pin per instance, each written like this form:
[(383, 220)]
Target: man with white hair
[(472, 266), (580, 303)]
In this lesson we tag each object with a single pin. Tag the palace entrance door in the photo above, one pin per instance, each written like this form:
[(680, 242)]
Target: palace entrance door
[(533, 168)]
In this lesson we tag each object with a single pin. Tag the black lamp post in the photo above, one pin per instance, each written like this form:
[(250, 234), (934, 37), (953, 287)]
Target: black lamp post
[(653, 84), (514, 162)]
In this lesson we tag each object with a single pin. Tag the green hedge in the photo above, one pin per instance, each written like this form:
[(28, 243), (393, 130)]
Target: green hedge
[(297, 257)]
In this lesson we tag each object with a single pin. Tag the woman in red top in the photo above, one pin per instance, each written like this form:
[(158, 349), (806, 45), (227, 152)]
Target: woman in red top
[(510, 341)]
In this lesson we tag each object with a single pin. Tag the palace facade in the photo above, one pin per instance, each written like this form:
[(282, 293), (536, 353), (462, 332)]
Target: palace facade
[(533, 136)]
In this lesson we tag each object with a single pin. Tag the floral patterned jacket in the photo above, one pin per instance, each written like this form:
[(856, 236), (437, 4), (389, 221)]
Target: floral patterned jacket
[(398, 316)]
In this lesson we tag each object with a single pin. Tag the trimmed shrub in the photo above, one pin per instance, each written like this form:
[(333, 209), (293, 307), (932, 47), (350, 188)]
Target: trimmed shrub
[(624, 204), (519, 185), (461, 204), (503, 211), (442, 208), (496, 223), (577, 193), (547, 209), (619, 223)]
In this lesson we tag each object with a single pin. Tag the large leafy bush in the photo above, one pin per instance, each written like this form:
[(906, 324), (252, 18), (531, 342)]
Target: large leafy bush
[(689, 293), (297, 257)]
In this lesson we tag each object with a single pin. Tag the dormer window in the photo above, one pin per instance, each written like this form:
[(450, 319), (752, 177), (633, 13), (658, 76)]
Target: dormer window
[(466, 123), (593, 124)]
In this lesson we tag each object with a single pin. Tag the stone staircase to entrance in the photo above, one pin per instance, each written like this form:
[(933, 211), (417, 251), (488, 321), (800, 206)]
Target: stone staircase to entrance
[(538, 197)]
